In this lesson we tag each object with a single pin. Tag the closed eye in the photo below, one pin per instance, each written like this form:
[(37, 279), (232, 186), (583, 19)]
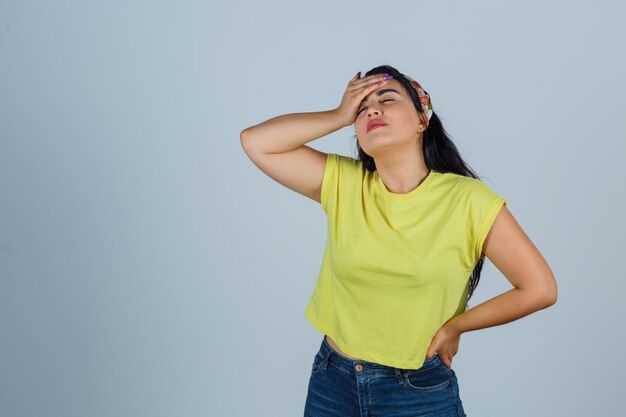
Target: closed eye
[(381, 102)]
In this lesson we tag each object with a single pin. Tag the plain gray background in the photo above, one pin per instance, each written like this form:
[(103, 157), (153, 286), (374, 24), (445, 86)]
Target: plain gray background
[(148, 268)]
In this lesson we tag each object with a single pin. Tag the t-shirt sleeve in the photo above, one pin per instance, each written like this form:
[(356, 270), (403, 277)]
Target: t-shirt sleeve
[(330, 180), (341, 178), (485, 206)]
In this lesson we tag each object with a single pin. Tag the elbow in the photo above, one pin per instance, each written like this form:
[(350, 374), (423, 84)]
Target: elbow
[(242, 136), (550, 293), (545, 294), (551, 301)]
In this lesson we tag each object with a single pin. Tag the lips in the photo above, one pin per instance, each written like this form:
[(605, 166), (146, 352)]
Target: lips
[(373, 124)]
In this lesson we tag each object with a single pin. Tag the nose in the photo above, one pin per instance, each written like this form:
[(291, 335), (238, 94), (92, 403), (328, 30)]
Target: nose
[(371, 110)]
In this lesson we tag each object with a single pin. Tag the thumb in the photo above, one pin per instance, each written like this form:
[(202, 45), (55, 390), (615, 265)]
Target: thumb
[(357, 76)]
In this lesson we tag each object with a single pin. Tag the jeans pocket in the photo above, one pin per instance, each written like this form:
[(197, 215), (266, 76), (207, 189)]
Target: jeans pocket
[(431, 379), (450, 371)]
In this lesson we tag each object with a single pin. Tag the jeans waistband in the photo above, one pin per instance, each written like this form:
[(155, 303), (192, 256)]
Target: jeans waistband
[(326, 351)]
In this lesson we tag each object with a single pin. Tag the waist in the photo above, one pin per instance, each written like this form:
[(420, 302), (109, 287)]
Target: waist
[(334, 347)]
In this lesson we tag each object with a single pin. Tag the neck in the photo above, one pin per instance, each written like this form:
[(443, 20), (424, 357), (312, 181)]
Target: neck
[(402, 172)]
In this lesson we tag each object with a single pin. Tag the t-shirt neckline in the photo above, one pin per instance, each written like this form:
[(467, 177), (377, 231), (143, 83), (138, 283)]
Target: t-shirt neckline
[(403, 196)]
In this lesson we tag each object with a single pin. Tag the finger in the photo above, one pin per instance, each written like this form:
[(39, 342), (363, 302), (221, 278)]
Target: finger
[(366, 81), (379, 83), (376, 81), (362, 91), (358, 89)]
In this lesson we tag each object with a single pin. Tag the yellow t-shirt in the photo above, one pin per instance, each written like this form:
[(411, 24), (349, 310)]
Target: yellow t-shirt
[(396, 267)]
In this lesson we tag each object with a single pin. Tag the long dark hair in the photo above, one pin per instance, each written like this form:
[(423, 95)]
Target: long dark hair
[(440, 153)]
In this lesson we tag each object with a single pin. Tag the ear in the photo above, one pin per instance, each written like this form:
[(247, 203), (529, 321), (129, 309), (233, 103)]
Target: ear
[(422, 126)]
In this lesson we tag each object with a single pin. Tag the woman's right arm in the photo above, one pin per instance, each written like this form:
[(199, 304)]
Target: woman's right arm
[(290, 131), (277, 146)]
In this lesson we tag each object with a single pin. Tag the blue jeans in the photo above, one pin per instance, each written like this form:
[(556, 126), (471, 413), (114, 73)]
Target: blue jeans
[(341, 387)]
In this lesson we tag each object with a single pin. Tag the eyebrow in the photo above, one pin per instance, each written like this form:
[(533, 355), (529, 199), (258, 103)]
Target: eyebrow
[(380, 93)]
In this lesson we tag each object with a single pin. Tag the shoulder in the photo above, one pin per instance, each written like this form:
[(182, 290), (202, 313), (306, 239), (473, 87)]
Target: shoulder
[(464, 184), (344, 164), (346, 160), (469, 192), (340, 176), (459, 185)]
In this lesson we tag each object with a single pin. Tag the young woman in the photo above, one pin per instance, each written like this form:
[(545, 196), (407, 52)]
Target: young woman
[(409, 225)]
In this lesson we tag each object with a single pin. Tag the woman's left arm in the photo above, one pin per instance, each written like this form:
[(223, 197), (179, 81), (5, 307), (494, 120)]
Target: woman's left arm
[(509, 248)]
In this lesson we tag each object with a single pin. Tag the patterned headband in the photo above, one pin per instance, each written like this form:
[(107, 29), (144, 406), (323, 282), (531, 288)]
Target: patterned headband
[(424, 98)]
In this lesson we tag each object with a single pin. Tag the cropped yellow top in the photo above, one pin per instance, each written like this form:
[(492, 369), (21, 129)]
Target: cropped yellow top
[(396, 267)]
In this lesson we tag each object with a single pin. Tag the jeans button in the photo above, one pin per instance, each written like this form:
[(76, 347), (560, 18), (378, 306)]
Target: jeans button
[(359, 367)]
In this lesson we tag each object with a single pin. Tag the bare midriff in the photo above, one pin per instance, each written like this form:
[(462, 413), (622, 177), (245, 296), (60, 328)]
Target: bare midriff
[(333, 345)]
